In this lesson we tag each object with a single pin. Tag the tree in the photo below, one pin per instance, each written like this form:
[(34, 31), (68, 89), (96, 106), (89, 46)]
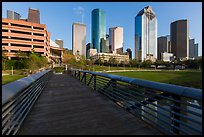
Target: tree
[(68, 58), (36, 61), (4, 59), (146, 63), (134, 63), (111, 60)]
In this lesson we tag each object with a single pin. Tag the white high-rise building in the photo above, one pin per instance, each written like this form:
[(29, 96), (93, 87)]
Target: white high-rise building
[(116, 40), (146, 35), (79, 39)]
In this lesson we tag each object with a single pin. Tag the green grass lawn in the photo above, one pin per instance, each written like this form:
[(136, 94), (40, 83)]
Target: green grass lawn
[(9, 78), (183, 78), (107, 68)]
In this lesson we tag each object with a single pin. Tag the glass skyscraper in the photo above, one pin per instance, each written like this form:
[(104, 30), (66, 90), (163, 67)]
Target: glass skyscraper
[(146, 35), (98, 29)]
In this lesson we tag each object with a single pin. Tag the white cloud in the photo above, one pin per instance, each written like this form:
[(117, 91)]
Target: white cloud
[(79, 10)]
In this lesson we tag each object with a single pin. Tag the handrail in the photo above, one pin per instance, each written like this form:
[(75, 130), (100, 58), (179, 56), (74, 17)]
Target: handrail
[(193, 93), (19, 97), (11, 89), (170, 108)]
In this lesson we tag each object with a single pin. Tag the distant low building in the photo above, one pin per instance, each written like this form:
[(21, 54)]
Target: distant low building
[(167, 57), (106, 56), (91, 52)]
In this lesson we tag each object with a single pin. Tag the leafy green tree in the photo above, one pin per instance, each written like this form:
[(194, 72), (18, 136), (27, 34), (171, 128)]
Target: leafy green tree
[(134, 63), (112, 60), (4, 59)]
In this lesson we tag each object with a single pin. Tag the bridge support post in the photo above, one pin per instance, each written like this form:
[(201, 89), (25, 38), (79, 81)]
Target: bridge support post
[(114, 85), (85, 78), (94, 82), (176, 116)]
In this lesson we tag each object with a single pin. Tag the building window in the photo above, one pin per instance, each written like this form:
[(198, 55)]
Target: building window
[(4, 23), (4, 37), (38, 28), (37, 40), (20, 45), (18, 25), (4, 30), (37, 34), (37, 46), (17, 38), (20, 32)]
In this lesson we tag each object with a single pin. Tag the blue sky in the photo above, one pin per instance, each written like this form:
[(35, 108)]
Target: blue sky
[(59, 16)]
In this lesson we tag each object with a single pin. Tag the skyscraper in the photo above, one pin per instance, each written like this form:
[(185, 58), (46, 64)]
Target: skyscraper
[(34, 15), (59, 42), (180, 38), (79, 39), (193, 49), (169, 44), (116, 39), (196, 50), (162, 46), (146, 35), (13, 15), (129, 52), (98, 28)]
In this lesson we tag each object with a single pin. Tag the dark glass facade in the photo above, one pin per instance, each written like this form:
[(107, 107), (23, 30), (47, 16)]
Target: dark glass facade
[(180, 38), (98, 28)]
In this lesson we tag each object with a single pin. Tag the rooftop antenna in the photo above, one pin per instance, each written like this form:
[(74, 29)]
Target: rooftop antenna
[(82, 18), (80, 11)]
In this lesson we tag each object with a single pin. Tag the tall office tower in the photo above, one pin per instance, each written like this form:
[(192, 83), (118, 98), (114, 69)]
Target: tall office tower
[(98, 31), (191, 48), (116, 39), (129, 52), (107, 44), (34, 15), (79, 39), (146, 35), (180, 38), (169, 44), (88, 47), (59, 42), (162, 46), (13, 15), (196, 50)]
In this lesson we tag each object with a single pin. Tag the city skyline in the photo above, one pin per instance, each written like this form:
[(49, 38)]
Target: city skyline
[(60, 28)]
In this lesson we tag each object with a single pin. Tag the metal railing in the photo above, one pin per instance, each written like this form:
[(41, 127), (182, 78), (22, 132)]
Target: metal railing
[(170, 108), (18, 98)]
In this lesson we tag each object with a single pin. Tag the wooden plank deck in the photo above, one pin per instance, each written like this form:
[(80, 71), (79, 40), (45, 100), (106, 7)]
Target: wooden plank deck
[(67, 107)]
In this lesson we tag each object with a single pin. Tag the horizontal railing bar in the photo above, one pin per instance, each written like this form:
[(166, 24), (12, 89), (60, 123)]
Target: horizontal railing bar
[(16, 105), (176, 114), (161, 101), (148, 112), (168, 111), (122, 90), (17, 111), (185, 103), (30, 102), (27, 112), (174, 89), (144, 111)]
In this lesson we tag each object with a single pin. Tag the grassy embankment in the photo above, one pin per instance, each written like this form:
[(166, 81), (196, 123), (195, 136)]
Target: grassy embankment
[(17, 74), (183, 78)]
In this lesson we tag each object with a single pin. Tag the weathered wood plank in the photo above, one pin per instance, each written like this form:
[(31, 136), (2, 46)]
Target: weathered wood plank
[(67, 107)]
